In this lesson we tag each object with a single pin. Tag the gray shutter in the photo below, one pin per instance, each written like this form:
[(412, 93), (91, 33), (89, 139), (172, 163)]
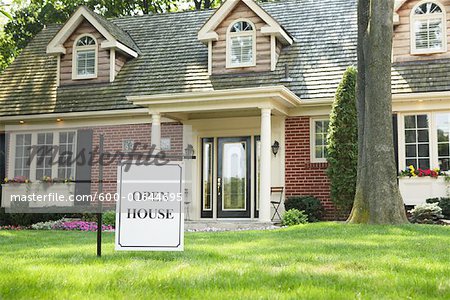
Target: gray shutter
[(395, 135), (83, 167), (2, 161)]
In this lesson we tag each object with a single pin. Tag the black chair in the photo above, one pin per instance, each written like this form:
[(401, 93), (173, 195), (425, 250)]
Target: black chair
[(277, 203)]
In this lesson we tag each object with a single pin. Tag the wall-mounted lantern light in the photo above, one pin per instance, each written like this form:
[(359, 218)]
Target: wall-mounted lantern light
[(275, 148), (189, 151)]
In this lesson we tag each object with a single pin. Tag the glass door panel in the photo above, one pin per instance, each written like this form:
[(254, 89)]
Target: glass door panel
[(207, 177), (233, 178)]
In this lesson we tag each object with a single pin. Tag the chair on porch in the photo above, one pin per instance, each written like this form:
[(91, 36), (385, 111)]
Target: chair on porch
[(277, 203)]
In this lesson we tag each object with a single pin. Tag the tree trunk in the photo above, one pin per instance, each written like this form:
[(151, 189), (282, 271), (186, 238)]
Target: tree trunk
[(378, 199), (145, 6)]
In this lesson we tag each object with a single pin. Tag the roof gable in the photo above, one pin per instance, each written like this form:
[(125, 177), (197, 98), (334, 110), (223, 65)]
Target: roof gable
[(207, 32), (115, 37), (398, 4)]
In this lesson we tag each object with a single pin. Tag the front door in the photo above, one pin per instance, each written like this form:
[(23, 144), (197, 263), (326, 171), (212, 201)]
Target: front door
[(233, 177)]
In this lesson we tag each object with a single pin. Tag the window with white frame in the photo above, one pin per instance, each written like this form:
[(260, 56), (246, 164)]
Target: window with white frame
[(241, 44), (428, 26), (44, 155), (54, 155), (426, 141), (22, 155), (417, 141), (85, 58), (66, 167), (319, 134), (443, 144)]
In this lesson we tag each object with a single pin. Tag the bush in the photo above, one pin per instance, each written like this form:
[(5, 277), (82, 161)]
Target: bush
[(309, 204), (429, 213), (443, 203), (49, 225), (342, 143), (109, 218), (25, 220), (294, 217)]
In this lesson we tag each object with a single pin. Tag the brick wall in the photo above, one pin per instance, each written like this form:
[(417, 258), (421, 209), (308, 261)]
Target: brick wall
[(302, 176), (113, 142)]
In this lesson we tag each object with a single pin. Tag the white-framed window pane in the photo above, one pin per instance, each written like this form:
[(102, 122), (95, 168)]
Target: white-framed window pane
[(66, 163), (320, 138), (44, 155), (417, 141), (242, 50), (86, 62), (86, 41), (207, 175), (22, 155), (443, 140), (428, 34)]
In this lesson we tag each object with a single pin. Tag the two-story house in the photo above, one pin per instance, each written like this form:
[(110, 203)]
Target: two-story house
[(248, 87)]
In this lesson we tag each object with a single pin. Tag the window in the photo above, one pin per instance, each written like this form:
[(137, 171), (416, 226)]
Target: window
[(241, 45), (443, 143), (53, 156), (417, 141), (44, 155), (207, 175), (66, 167), (85, 58), (428, 29), (319, 140), (22, 155)]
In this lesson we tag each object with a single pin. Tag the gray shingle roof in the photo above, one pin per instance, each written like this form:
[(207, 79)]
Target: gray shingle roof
[(117, 32), (172, 60)]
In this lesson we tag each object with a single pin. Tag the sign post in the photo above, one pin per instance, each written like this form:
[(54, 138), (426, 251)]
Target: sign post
[(150, 214), (100, 190)]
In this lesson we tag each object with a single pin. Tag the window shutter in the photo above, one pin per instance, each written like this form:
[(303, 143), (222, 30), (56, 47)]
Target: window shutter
[(395, 135), (83, 167), (2, 160), (242, 49), (428, 34)]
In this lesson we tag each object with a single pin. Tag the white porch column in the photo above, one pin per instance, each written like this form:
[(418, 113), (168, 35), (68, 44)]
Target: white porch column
[(264, 191), (156, 130)]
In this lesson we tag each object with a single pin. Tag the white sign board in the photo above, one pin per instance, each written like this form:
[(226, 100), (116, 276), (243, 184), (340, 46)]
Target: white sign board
[(150, 214)]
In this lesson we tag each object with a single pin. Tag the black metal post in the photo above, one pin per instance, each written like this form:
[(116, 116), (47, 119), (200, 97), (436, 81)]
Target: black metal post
[(100, 204)]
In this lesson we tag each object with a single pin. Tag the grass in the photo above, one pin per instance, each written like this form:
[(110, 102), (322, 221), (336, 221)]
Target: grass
[(316, 261)]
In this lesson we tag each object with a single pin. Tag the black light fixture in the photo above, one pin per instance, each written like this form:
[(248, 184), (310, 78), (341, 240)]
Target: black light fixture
[(275, 148), (189, 151)]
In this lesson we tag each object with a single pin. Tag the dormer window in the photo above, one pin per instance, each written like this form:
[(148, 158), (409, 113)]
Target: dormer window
[(427, 29), (85, 58), (241, 44)]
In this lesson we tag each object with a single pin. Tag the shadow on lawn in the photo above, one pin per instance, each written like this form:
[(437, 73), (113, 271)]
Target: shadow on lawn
[(318, 258), (315, 245)]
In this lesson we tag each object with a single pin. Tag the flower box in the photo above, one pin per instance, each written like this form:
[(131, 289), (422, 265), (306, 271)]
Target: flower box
[(55, 191), (48, 193), (12, 191), (416, 190)]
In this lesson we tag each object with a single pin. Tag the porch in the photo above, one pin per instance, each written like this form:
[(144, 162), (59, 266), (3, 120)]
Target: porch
[(232, 133)]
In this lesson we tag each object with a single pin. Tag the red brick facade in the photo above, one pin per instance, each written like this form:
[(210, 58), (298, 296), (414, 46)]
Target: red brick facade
[(114, 136), (302, 176)]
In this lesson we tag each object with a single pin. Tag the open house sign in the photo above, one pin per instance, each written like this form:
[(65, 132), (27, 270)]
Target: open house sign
[(150, 214)]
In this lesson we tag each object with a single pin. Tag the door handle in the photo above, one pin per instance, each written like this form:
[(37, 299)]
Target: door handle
[(219, 186)]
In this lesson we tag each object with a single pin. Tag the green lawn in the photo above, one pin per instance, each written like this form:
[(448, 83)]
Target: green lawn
[(317, 261)]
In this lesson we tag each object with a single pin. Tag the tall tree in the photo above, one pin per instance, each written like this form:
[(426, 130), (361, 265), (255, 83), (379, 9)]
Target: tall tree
[(342, 144), (378, 199), (206, 4), (5, 13)]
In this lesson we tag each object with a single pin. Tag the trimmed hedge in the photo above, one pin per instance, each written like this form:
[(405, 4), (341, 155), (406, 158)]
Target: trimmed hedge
[(342, 143), (26, 219)]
